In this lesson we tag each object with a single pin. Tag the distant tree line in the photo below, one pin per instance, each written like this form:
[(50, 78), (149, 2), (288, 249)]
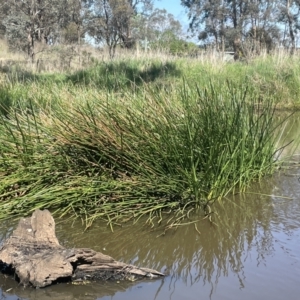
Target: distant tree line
[(31, 25), (245, 25)]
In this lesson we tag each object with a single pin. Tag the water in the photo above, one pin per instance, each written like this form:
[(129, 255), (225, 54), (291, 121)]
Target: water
[(252, 253)]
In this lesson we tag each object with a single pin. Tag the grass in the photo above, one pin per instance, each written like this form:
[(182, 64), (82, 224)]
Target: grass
[(275, 76), (138, 137)]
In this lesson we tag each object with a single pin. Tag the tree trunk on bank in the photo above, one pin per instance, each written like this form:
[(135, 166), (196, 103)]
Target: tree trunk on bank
[(31, 49), (290, 22), (237, 48)]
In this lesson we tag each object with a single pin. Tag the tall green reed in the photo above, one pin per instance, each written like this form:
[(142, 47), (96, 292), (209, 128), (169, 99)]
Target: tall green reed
[(147, 153)]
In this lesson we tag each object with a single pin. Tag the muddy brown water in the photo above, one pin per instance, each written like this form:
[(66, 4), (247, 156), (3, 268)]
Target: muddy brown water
[(253, 253)]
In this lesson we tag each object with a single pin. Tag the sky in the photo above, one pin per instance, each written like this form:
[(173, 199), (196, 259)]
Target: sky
[(172, 6)]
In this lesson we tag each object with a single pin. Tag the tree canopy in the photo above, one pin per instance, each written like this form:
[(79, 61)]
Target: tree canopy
[(245, 25), (242, 26)]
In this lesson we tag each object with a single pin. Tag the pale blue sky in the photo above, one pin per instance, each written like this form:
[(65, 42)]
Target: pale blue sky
[(174, 7)]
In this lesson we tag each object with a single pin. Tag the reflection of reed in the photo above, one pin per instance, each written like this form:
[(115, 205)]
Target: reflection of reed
[(245, 226), (6, 228), (289, 133), (287, 208), (63, 291)]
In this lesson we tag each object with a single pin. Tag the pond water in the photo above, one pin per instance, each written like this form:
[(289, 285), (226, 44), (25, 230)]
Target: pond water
[(252, 253)]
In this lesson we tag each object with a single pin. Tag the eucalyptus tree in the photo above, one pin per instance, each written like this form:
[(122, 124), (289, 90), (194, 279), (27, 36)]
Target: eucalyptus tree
[(75, 20), (219, 19), (30, 21), (112, 21), (208, 18), (164, 26), (106, 20), (137, 6), (4, 9), (264, 32), (234, 22), (288, 14), (157, 29)]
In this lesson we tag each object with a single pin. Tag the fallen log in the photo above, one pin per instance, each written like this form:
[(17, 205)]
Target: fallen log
[(35, 256)]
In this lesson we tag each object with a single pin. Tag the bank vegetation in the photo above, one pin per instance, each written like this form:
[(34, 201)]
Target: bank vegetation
[(152, 136)]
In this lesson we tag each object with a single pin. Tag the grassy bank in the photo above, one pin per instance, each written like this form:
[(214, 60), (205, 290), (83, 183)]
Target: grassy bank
[(138, 137), (272, 75)]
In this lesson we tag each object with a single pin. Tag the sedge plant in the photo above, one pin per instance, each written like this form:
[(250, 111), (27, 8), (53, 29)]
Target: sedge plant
[(153, 153)]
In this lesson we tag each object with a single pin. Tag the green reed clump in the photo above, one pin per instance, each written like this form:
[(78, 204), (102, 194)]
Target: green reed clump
[(156, 151)]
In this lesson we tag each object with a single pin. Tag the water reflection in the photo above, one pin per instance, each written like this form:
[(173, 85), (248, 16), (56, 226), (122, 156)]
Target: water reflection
[(62, 291), (248, 230), (288, 134)]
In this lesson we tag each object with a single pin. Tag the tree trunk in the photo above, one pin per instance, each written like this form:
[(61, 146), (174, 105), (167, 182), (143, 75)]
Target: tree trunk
[(35, 256), (237, 48), (31, 44), (79, 43), (290, 22)]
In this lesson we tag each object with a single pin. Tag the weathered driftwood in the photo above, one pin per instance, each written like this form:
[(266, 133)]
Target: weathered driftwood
[(34, 254)]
